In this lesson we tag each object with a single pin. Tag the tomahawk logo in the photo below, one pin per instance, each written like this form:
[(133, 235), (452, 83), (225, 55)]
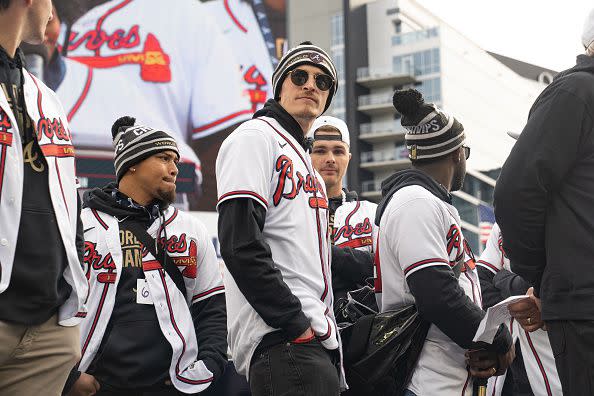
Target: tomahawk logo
[(315, 57), (153, 61)]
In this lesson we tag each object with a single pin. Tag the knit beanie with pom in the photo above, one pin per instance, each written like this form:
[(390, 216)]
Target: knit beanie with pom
[(135, 143), (431, 132)]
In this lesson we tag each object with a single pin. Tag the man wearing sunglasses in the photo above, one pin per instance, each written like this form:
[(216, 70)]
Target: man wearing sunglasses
[(425, 260), (273, 230)]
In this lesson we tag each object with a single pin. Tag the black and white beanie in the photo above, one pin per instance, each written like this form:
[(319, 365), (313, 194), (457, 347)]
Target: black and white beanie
[(135, 143), (304, 54), (431, 132)]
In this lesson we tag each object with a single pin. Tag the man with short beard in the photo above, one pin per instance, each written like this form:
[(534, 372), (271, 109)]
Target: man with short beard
[(424, 259), (351, 221), (273, 228), (157, 321)]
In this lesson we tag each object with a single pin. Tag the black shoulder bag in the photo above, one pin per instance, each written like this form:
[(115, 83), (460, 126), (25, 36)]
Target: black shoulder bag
[(381, 350)]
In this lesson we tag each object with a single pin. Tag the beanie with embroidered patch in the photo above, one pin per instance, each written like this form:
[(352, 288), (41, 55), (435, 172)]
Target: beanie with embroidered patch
[(304, 54), (135, 143)]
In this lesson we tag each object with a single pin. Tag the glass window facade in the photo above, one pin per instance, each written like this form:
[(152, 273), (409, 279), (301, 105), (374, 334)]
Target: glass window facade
[(337, 108), (420, 63), (430, 89), (416, 36), (337, 26)]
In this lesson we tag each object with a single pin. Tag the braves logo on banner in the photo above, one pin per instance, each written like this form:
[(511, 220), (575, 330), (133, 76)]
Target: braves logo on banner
[(153, 61), (296, 182), (254, 77)]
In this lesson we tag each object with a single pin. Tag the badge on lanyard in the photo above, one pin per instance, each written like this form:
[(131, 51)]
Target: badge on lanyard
[(143, 295)]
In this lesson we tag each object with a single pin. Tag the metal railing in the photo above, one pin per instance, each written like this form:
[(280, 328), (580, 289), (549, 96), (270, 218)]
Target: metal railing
[(383, 72), (371, 185), (382, 127), (398, 153), (375, 99), (416, 36)]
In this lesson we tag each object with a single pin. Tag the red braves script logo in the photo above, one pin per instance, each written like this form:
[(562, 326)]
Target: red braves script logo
[(309, 184), (253, 76), (454, 244), (347, 230), (188, 261), (153, 61), (96, 261), (52, 128), (174, 244), (5, 125)]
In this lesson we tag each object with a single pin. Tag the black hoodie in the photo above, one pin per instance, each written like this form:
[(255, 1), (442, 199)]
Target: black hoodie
[(545, 195), (134, 353), (453, 312)]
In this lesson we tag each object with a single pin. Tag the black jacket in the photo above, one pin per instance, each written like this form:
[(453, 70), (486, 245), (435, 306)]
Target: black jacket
[(545, 195), (453, 312)]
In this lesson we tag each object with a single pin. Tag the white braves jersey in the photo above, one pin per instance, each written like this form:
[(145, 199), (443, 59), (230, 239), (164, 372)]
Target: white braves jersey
[(262, 161), (165, 63), (54, 138), (239, 24), (417, 231), (191, 250), (354, 225), (536, 348)]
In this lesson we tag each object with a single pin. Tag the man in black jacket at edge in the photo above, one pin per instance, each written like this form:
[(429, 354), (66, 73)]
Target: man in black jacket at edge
[(543, 204)]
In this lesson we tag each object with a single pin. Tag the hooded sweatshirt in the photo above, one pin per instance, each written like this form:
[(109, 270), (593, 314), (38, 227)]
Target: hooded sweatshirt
[(545, 195), (453, 312), (134, 353)]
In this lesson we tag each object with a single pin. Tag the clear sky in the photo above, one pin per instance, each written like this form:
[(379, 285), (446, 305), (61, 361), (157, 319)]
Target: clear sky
[(543, 32)]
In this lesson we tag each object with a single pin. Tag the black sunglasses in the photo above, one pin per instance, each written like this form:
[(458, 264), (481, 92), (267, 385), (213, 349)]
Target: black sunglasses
[(466, 151), (323, 81)]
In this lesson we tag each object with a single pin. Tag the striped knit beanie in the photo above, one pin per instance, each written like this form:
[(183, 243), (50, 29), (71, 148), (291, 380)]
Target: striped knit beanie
[(135, 143), (431, 133), (304, 54)]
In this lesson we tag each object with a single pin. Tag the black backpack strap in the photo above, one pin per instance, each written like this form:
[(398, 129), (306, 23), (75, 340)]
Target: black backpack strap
[(160, 255)]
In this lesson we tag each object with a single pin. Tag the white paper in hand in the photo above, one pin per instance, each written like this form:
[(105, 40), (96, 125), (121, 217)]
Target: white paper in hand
[(496, 315)]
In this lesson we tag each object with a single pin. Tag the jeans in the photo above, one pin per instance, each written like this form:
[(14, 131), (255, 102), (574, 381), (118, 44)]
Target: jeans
[(290, 369)]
